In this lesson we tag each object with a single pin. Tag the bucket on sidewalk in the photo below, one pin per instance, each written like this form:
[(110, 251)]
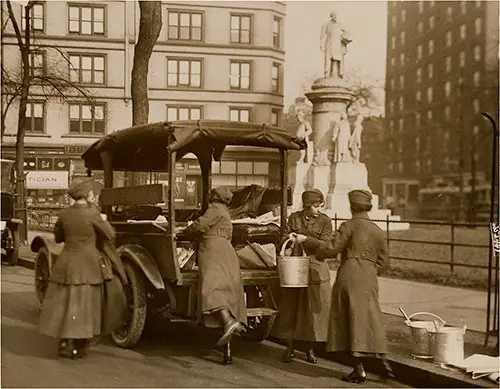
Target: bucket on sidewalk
[(449, 344), (293, 271), (422, 335)]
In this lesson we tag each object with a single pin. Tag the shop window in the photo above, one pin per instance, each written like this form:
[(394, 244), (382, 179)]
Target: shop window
[(87, 69), (185, 73), (186, 26), (87, 19), (87, 118), (240, 74), (35, 118)]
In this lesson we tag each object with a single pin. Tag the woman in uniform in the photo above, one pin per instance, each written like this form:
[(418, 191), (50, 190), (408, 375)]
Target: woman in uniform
[(355, 318), (303, 312), (83, 298), (222, 300)]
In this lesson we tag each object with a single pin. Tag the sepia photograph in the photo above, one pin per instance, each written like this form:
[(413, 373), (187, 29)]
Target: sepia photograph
[(251, 194)]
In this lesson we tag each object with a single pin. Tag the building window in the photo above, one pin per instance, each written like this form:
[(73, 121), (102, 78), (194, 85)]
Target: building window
[(392, 83), (429, 94), (447, 112), (418, 119), (431, 47), (447, 89), (476, 78), (449, 14), (35, 117), (475, 105), (184, 73), (240, 75), (275, 117), (393, 42), (417, 165), (419, 52), (391, 129), (419, 75), (237, 114), (479, 3), (391, 166), (403, 15), (417, 144), (447, 64), (400, 167), (393, 61), (463, 6), (183, 113), (418, 96), (477, 26), (276, 32), (37, 63), (462, 59), (186, 26), (86, 118), (420, 6), (463, 31), (420, 27), (241, 28), (429, 113), (391, 106), (402, 37), (430, 70), (36, 18), (401, 124), (432, 3), (86, 19), (477, 53), (449, 39), (394, 21), (275, 78), (402, 59), (432, 22), (86, 69), (401, 81), (401, 103)]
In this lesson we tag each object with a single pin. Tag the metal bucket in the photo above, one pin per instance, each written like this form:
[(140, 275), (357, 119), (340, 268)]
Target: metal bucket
[(293, 271), (421, 335), (449, 344)]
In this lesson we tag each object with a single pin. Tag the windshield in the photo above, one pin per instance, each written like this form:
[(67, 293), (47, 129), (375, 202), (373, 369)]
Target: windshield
[(7, 175)]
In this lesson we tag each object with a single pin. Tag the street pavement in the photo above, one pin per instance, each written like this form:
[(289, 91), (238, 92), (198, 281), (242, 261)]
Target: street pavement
[(173, 355)]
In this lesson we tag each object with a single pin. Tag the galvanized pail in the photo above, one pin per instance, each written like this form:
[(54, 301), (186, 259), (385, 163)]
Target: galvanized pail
[(421, 335), (449, 344), (293, 271)]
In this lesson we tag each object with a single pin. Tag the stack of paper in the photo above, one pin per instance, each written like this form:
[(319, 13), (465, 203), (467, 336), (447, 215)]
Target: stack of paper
[(481, 366), (264, 219)]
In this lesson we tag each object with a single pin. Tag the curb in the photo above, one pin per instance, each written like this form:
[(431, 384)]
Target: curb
[(408, 370)]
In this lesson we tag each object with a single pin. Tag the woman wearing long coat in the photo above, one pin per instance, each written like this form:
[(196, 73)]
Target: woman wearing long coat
[(221, 297), (355, 317), (304, 312), (83, 298)]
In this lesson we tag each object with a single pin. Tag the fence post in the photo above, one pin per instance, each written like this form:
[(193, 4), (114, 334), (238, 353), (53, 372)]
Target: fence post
[(387, 233), (452, 247)]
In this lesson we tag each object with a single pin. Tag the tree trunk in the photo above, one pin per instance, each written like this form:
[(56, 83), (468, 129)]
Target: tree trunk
[(150, 25)]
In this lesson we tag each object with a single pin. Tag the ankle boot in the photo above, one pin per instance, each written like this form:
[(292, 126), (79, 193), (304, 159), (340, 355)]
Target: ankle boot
[(227, 358), (311, 356), (388, 373), (358, 375), (230, 326), (288, 355), (67, 349), (81, 347)]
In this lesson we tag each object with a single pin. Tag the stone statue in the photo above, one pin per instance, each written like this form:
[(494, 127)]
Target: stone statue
[(321, 158), (304, 130), (333, 42), (341, 136), (355, 141)]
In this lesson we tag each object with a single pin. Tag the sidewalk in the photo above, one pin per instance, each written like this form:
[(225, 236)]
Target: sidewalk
[(455, 305)]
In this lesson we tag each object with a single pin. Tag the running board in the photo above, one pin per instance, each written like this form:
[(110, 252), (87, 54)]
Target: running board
[(252, 312)]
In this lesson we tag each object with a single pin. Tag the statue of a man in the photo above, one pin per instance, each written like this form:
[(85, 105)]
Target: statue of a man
[(341, 137), (333, 42), (355, 141), (304, 130)]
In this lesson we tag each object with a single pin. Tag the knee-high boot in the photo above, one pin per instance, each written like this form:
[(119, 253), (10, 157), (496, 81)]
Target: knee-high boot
[(230, 324)]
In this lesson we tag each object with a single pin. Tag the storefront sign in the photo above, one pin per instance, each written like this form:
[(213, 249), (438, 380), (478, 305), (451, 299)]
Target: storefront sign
[(47, 180)]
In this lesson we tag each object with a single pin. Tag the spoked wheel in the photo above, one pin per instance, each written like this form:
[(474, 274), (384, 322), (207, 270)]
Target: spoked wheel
[(261, 312), (42, 274), (130, 332)]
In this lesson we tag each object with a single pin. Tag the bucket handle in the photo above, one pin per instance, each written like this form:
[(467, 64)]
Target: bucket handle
[(283, 247), (429, 314)]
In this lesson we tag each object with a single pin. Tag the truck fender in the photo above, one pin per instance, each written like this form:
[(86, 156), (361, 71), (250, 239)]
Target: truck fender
[(53, 248), (142, 258)]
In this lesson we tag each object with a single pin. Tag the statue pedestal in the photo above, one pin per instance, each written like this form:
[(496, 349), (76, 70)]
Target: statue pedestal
[(301, 172)]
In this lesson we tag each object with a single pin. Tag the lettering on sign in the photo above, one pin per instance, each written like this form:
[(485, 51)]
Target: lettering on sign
[(495, 236), (47, 180)]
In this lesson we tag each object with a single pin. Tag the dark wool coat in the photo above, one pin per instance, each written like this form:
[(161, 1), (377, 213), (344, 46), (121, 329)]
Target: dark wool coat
[(220, 276), (304, 312), (355, 316), (83, 299)]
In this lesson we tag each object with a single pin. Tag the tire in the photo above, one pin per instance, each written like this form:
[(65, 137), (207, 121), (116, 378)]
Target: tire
[(12, 255), (129, 334), (259, 327), (42, 274)]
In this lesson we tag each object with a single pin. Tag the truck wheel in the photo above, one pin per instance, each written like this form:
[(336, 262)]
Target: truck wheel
[(130, 332), (12, 255), (42, 274)]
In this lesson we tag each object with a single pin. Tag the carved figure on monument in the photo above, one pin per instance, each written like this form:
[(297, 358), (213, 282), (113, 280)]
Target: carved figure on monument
[(321, 158), (341, 136), (304, 130), (333, 42), (355, 141)]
